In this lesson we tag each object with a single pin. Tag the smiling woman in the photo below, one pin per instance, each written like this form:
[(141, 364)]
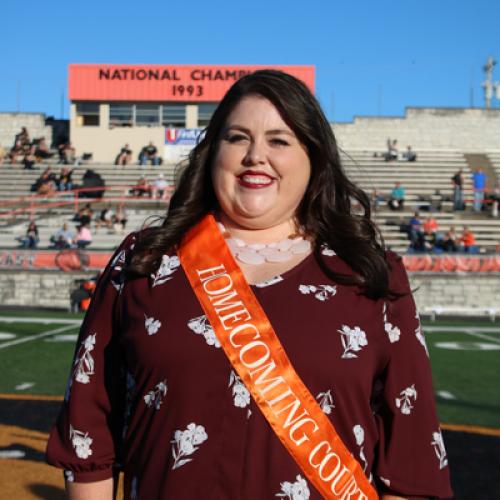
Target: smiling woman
[(261, 342)]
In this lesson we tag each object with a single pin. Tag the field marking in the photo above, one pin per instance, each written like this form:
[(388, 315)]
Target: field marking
[(461, 329), (471, 429), (446, 395), (482, 336), (24, 386), (36, 337), (31, 397), (45, 321)]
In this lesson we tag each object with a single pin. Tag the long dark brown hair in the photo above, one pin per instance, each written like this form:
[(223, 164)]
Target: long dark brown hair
[(326, 212)]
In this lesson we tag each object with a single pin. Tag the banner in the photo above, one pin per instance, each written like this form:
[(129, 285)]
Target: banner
[(179, 142)]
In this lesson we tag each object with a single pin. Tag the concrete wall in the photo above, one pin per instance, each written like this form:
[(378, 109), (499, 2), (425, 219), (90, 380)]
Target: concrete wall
[(11, 123), (52, 289), (462, 129)]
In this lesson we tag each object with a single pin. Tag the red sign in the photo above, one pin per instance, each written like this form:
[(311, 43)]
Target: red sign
[(135, 82)]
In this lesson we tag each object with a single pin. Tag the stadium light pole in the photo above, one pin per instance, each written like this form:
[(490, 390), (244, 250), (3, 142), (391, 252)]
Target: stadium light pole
[(490, 87)]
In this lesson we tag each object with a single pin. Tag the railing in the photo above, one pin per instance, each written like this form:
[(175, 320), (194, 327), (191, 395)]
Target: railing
[(34, 204)]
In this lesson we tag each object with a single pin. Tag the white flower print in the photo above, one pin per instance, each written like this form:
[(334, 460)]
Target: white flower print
[(269, 282), (83, 366), (167, 267), (419, 334), (353, 339), (186, 443), (154, 398), (325, 400), (393, 332), (439, 448), (152, 325), (327, 251), (119, 260), (133, 488), (295, 491), (201, 326), (359, 434), (81, 442), (321, 292), (387, 482), (241, 396), (404, 401), (69, 476)]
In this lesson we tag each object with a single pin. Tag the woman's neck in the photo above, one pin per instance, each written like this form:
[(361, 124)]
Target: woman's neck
[(271, 234)]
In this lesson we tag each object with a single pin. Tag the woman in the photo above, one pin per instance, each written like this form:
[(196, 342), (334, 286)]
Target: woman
[(154, 386), (31, 238)]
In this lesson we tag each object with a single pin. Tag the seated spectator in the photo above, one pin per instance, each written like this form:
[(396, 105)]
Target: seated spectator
[(120, 219), (105, 218), (45, 185), (429, 240), (392, 152), (161, 188), (494, 199), (63, 238), (16, 150), (92, 180), (65, 181), (67, 153), (23, 138), (41, 150), (124, 157), (415, 229), (430, 224), (142, 188), (409, 154), (449, 243), (468, 241), (376, 199), (84, 215), (31, 238), (83, 236), (29, 161), (397, 197), (149, 153)]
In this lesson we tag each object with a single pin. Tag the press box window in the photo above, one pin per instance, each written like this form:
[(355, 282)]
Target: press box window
[(205, 112), (174, 115), (87, 114), (121, 115), (147, 115)]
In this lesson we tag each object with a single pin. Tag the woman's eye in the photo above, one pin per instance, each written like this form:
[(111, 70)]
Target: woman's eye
[(235, 138), (279, 142)]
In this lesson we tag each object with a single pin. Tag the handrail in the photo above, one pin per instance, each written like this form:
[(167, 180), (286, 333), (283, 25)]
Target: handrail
[(76, 199)]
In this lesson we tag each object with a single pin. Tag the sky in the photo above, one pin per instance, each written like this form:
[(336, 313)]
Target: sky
[(371, 57)]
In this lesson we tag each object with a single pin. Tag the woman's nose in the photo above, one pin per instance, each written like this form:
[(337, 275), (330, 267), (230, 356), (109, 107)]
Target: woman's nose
[(255, 154)]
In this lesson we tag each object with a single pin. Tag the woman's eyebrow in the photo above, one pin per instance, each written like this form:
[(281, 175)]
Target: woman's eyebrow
[(274, 131)]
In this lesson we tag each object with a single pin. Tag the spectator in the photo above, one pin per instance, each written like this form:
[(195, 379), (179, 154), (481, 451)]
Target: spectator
[(397, 197), (120, 219), (430, 225), (124, 157), (83, 236), (31, 238), (3, 154), (479, 186), (105, 218), (41, 151), (149, 153), (141, 188), (91, 181), (429, 240), (415, 230), (84, 215), (449, 243), (495, 200), (22, 138), (45, 185), (457, 182), (63, 238), (16, 150), (65, 181), (468, 241), (29, 161), (376, 199), (161, 188), (392, 150), (410, 155), (67, 153)]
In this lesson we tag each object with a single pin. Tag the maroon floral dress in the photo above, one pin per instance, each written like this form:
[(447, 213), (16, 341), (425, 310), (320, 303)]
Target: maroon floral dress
[(152, 393)]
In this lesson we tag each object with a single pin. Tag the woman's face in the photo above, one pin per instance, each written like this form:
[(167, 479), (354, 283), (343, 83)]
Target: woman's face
[(261, 170)]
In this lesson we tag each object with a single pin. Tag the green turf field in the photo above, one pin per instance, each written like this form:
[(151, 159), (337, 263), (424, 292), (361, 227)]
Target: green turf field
[(35, 358)]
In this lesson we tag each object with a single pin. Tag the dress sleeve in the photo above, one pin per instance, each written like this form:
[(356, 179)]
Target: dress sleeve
[(411, 459), (84, 440)]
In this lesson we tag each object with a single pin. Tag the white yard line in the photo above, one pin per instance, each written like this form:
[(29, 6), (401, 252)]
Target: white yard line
[(37, 336), (482, 336), (461, 329), (45, 321)]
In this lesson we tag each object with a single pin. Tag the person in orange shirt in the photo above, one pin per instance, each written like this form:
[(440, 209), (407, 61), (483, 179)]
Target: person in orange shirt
[(468, 240), (430, 225)]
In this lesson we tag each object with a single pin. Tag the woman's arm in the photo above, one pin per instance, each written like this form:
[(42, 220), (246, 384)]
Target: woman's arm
[(100, 490), (386, 497)]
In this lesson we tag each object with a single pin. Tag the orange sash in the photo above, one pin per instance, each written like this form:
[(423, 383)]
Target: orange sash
[(253, 348)]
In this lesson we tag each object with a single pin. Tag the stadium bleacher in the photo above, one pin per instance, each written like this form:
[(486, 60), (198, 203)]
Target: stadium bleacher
[(424, 180)]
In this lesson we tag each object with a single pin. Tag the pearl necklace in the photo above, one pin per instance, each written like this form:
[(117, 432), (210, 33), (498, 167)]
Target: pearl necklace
[(259, 253)]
